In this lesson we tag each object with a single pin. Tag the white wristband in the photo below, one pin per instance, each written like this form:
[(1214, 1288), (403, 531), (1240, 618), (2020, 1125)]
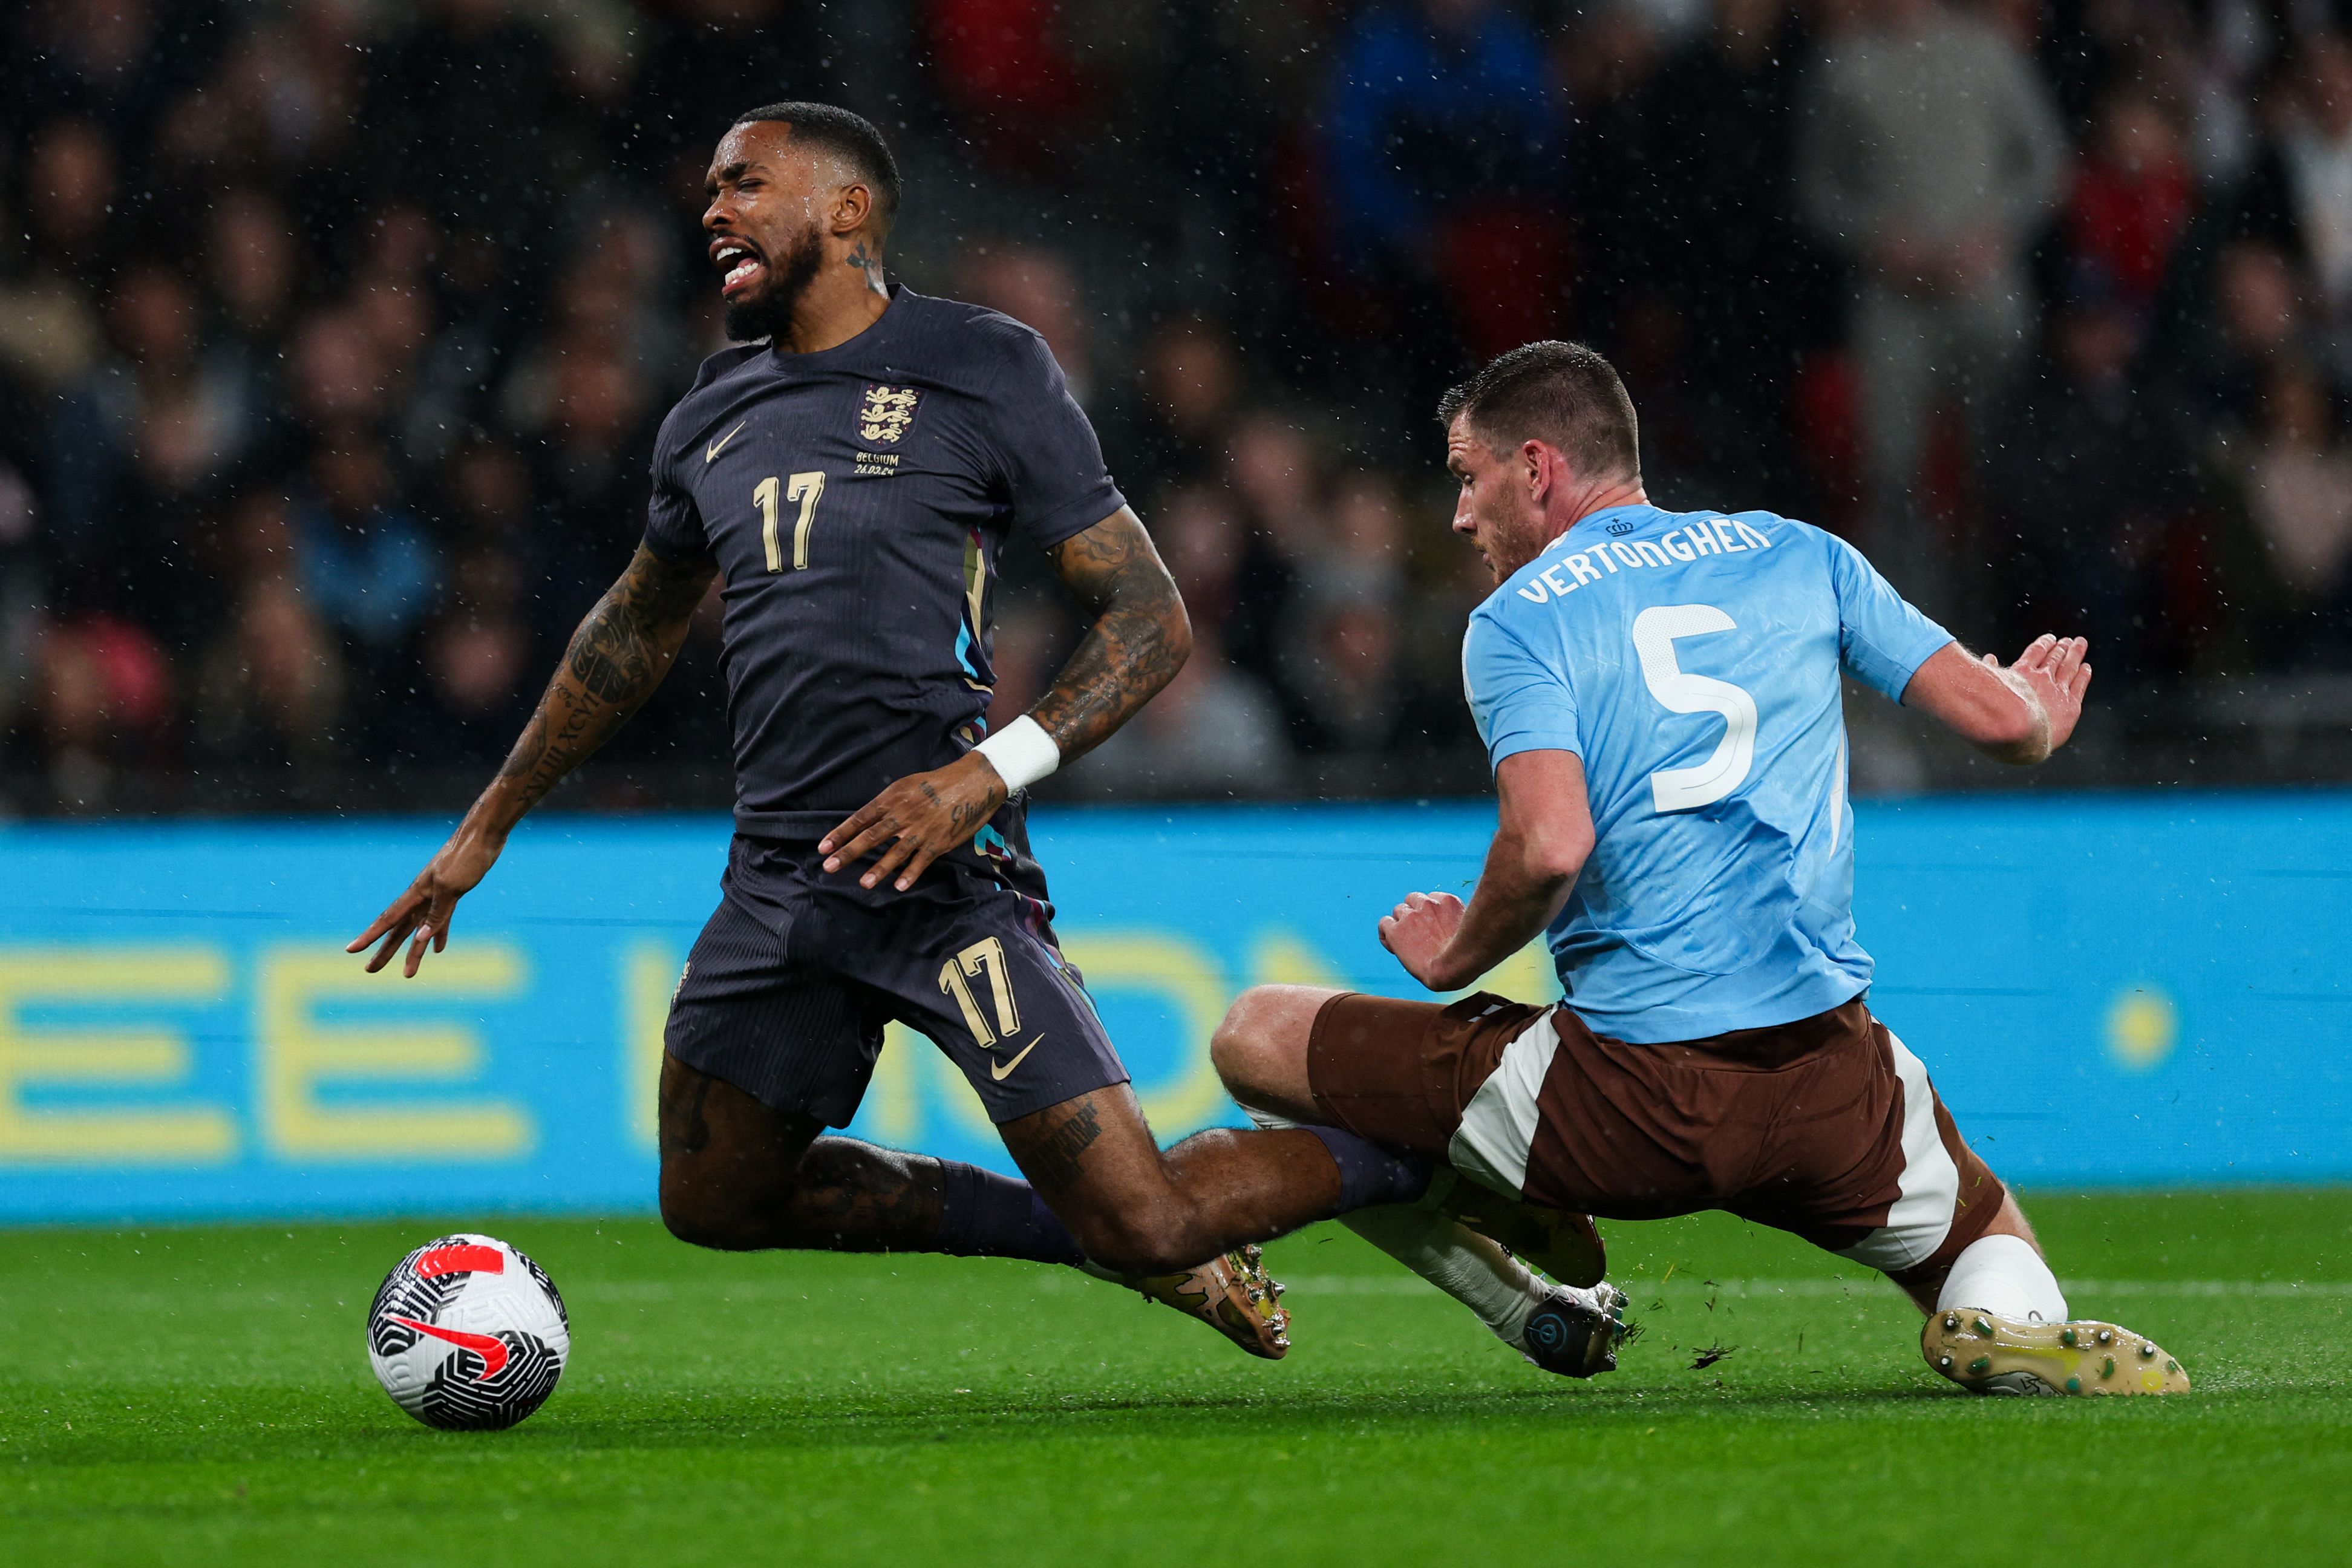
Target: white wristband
[(1020, 753)]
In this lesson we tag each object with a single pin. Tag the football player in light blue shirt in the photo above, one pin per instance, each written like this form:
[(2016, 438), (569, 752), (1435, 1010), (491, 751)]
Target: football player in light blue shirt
[(1659, 693)]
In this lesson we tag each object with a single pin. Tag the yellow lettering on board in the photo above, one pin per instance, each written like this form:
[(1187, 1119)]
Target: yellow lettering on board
[(1526, 975), (1282, 958), (650, 970), (1188, 976), (151, 1055), (294, 1055), (892, 1099)]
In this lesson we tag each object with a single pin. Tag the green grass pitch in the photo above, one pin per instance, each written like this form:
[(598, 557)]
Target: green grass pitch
[(200, 1396)]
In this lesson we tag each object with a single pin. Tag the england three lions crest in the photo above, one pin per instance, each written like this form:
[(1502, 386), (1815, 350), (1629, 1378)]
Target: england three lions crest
[(887, 413)]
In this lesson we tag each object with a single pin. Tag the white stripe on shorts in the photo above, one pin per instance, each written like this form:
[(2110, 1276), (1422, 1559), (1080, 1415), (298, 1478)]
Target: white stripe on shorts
[(1498, 1125), (1930, 1184)]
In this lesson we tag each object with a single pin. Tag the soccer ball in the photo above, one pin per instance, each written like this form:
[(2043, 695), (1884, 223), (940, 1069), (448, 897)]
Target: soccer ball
[(468, 1335)]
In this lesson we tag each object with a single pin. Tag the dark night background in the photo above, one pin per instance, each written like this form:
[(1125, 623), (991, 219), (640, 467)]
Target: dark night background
[(333, 336)]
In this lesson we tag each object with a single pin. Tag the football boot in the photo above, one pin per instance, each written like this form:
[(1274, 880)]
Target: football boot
[(1231, 1294), (1986, 1353), (1575, 1333)]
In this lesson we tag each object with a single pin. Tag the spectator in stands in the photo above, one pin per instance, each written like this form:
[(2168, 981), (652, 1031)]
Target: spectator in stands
[(1444, 143), (1366, 526), (1203, 540), (2318, 151), (22, 585), (1172, 428), (335, 379), (1930, 153), (270, 690), (1606, 65), (104, 705), (476, 657), (250, 262), (2295, 490), (364, 563), (2132, 197), (1340, 661), (1720, 123), (1275, 477), (1006, 70), (132, 448), (591, 477), (2212, 392), (1212, 731), (331, 185), (2088, 484), (1037, 287)]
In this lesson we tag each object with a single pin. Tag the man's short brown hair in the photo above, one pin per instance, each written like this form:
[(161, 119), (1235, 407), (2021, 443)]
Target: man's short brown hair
[(1563, 395)]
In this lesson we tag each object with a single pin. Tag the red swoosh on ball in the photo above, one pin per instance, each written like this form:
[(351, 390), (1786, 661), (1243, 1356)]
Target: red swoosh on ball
[(461, 1259), (492, 1351)]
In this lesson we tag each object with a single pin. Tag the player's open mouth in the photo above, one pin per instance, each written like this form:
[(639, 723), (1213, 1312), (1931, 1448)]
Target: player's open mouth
[(739, 263)]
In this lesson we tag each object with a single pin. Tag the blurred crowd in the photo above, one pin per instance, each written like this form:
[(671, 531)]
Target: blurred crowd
[(333, 334)]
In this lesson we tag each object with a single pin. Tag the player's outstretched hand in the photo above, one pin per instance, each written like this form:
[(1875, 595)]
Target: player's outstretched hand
[(2053, 667), (916, 821), (1418, 929), (423, 911)]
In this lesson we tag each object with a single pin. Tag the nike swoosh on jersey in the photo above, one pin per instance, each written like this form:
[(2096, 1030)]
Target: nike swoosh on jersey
[(492, 1351), (1002, 1071), (711, 455)]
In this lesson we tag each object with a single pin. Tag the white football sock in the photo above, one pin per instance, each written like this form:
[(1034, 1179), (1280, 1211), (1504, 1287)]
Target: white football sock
[(1472, 1268), (2004, 1275)]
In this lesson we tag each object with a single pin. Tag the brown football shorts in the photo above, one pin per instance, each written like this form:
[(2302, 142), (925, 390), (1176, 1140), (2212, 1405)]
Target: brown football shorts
[(1827, 1127)]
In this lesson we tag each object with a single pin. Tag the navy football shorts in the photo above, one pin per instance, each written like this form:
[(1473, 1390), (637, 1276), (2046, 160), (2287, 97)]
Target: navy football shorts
[(796, 973)]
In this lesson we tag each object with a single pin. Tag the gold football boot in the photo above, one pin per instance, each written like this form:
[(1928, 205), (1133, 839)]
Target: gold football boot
[(1233, 1295), (1989, 1354)]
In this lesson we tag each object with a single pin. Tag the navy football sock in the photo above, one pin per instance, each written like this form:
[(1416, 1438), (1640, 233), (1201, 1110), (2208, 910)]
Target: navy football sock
[(1370, 1174), (983, 1215)]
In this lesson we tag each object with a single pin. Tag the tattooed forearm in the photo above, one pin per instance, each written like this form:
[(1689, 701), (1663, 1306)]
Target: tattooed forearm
[(1140, 638), (617, 657), (1052, 1163)]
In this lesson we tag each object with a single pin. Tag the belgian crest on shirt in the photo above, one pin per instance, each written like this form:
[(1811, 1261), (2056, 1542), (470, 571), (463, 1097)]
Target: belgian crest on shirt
[(886, 413)]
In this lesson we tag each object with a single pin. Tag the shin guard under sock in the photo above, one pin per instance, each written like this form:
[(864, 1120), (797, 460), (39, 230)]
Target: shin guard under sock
[(1368, 1173), (983, 1215)]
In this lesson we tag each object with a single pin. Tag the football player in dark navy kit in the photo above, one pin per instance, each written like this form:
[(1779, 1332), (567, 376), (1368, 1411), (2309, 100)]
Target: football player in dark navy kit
[(848, 478)]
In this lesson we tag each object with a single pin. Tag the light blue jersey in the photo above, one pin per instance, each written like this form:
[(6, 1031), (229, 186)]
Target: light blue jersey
[(1691, 660)]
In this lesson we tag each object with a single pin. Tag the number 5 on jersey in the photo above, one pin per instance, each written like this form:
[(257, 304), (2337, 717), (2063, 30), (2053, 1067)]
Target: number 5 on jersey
[(1680, 691), (806, 488)]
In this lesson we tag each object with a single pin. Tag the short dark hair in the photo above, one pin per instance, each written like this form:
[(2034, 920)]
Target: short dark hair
[(850, 136), (1562, 393)]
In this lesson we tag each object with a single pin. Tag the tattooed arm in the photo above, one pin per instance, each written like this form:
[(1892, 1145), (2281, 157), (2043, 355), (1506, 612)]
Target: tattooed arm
[(1140, 638), (618, 655), (1139, 641)]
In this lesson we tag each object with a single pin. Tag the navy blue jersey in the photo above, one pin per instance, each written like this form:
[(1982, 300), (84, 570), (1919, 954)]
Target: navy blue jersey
[(855, 502)]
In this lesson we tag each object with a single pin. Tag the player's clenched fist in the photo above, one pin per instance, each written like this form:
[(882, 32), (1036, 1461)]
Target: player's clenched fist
[(1418, 932), (916, 821)]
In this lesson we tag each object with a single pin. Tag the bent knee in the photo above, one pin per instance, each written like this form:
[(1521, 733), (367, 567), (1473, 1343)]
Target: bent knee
[(1259, 1048), (701, 1215)]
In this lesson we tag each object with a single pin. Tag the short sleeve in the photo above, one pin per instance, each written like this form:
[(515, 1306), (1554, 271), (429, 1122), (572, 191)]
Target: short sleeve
[(1521, 704), (1882, 639), (1051, 465), (673, 527)]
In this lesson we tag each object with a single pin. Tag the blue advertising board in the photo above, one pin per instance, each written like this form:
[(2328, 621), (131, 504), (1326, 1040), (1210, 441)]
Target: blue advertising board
[(2109, 990)]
